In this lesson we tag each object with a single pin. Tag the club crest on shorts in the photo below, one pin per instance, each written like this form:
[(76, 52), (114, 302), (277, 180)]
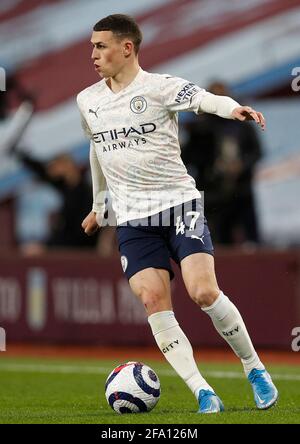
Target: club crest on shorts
[(124, 263), (138, 104)]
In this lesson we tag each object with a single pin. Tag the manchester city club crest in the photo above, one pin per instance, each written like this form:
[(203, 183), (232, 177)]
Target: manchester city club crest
[(138, 104)]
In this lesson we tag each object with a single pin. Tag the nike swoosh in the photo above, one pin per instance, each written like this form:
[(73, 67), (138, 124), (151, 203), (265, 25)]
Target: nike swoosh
[(260, 401)]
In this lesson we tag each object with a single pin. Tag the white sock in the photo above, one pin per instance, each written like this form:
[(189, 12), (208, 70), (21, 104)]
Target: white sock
[(230, 325), (177, 349)]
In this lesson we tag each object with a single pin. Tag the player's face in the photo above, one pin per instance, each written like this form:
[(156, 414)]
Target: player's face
[(108, 53)]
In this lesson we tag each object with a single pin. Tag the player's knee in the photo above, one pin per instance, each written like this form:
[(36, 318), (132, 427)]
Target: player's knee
[(153, 299), (204, 296)]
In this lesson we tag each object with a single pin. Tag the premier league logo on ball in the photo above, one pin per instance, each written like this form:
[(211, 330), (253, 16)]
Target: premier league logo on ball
[(138, 104)]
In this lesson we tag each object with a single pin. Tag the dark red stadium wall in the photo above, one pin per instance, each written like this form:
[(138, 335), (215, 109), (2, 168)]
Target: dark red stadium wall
[(82, 299), (7, 224)]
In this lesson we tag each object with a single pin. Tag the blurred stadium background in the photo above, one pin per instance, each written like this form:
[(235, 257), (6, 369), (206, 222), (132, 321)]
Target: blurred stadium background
[(80, 297)]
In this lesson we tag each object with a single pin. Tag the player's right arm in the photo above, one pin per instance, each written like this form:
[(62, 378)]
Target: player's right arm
[(93, 220)]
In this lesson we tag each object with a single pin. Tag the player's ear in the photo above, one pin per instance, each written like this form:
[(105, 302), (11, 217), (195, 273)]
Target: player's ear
[(128, 48)]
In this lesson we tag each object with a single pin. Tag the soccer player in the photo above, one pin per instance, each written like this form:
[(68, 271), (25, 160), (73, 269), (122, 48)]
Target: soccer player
[(130, 117)]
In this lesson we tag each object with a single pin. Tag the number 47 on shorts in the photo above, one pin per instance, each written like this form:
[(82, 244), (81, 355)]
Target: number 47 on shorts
[(180, 226)]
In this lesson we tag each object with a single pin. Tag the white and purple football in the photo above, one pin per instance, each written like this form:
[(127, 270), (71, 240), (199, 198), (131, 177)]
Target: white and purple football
[(132, 388)]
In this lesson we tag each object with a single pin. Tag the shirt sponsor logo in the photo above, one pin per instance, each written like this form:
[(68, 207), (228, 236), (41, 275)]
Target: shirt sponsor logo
[(128, 144), (188, 91), (114, 134)]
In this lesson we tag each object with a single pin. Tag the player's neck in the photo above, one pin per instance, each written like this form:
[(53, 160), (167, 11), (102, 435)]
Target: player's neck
[(123, 78)]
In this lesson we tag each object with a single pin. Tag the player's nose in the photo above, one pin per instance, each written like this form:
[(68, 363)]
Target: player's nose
[(94, 55)]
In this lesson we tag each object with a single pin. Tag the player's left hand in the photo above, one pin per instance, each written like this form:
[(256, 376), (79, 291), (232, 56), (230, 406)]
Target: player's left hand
[(243, 113)]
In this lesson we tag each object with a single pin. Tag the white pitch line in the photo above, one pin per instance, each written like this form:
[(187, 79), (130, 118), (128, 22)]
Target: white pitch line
[(94, 370)]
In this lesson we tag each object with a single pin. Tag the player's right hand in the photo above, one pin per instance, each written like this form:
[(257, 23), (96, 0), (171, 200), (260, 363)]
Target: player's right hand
[(90, 224)]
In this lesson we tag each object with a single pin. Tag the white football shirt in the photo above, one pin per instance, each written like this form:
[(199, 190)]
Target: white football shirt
[(134, 143)]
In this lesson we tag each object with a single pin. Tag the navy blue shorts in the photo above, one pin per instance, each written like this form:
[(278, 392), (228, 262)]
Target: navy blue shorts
[(173, 233)]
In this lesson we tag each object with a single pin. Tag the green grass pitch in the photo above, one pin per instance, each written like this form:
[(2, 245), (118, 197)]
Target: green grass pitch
[(72, 391)]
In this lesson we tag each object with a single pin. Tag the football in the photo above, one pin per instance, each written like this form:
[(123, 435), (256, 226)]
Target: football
[(132, 387)]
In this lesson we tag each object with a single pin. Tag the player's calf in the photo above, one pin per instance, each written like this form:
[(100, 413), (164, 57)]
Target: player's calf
[(178, 351)]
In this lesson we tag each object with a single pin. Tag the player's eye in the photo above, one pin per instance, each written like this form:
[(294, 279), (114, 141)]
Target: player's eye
[(98, 45)]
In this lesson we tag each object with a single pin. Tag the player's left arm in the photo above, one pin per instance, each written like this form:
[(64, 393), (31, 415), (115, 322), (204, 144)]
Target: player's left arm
[(181, 95), (228, 108)]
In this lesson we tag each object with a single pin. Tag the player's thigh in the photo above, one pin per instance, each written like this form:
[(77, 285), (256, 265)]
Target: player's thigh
[(198, 273), (142, 248), (152, 287)]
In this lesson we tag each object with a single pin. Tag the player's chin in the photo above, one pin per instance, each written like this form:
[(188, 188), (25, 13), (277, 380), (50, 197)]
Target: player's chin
[(100, 71)]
